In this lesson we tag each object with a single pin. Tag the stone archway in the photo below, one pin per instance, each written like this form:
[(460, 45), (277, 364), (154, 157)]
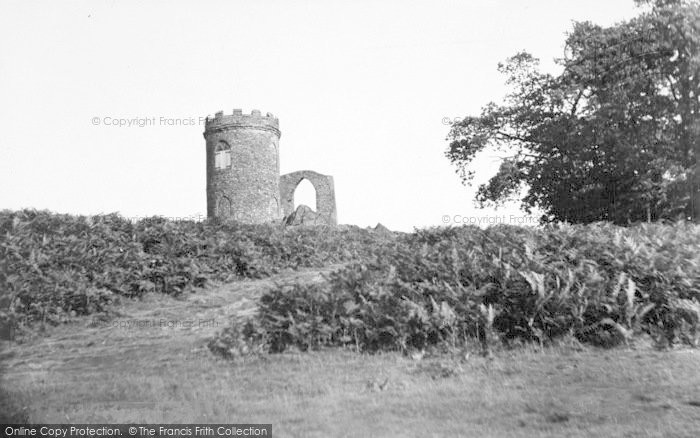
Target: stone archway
[(325, 193)]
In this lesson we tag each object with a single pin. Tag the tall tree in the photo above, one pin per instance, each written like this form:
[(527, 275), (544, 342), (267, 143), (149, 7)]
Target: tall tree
[(615, 136)]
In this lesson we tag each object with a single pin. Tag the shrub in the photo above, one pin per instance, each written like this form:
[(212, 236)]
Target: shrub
[(599, 283), (55, 266)]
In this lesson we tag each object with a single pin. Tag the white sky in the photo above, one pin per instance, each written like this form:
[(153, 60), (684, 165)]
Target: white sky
[(361, 89)]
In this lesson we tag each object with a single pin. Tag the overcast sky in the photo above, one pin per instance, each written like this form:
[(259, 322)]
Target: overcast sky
[(362, 90)]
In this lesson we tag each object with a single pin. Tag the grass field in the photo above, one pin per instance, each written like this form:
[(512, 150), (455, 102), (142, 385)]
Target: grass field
[(150, 364)]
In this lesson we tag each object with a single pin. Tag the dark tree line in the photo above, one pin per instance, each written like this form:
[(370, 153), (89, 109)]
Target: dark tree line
[(614, 137)]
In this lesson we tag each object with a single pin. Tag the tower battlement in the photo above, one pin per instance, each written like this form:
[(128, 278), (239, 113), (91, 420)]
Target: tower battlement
[(254, 120)]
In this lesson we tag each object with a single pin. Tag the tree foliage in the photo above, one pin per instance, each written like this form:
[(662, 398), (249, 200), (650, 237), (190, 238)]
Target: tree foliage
[(615, 136)]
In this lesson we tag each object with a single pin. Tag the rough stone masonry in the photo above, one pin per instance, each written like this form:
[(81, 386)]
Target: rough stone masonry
[(243, 176)]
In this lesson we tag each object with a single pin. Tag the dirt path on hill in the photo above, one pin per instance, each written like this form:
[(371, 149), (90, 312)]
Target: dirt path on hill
[(150, 327)]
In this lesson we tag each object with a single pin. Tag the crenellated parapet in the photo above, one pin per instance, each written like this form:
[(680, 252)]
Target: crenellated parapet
[(238, 120)]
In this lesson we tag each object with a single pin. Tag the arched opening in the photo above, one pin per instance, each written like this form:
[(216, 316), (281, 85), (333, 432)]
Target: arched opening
[(222, 156), (305, 194), (223, 207)]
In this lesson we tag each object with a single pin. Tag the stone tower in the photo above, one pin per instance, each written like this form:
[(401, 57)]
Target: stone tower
[(243, 170)]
